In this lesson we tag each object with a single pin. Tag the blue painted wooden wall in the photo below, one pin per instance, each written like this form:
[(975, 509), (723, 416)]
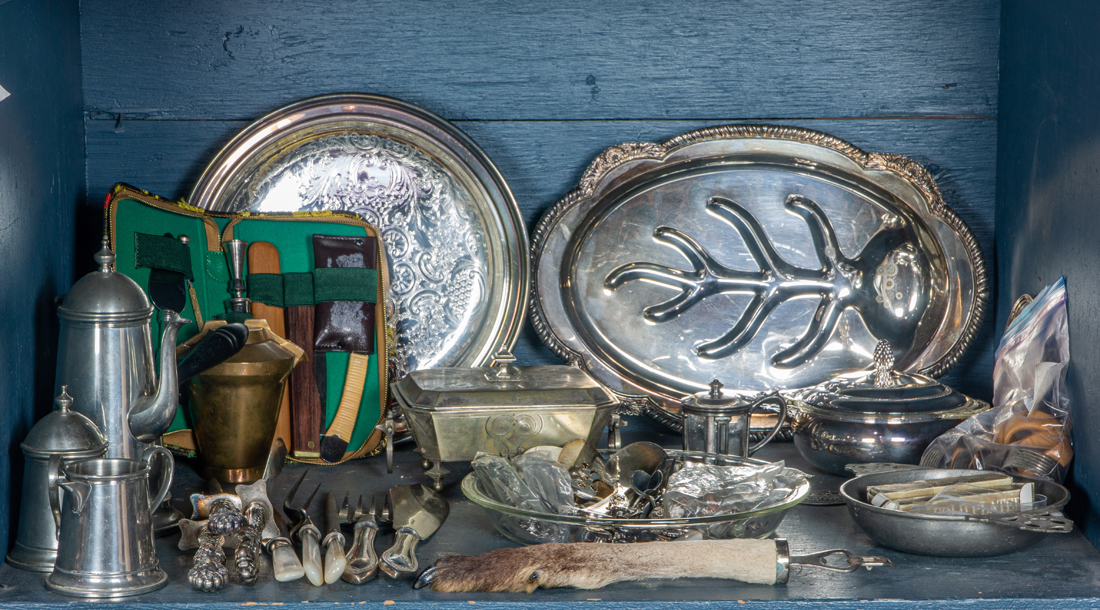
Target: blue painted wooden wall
[(1048, 187), (544, 87), (41, 187)]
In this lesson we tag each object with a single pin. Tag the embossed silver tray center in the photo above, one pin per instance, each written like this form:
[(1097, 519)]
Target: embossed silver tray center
[(455, 243)]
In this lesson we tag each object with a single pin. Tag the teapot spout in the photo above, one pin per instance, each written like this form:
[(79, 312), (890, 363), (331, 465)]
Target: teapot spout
[(151, 415)]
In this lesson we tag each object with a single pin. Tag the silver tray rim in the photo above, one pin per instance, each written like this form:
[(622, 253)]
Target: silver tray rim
[(277, 124), (616, 159)]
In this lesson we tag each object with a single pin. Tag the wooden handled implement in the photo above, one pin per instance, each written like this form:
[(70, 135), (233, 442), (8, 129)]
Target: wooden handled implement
[(263, 257), (592, 565)]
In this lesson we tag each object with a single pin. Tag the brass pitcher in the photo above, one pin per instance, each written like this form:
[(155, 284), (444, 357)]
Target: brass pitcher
[(235, 405)]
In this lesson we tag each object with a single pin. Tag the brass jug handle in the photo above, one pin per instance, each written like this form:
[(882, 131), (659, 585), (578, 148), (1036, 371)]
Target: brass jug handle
[(53, 472), (166, 474), (774, 399)]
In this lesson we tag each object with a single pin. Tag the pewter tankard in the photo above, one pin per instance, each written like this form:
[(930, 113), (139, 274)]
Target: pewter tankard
[(105, 527), (105, 356)]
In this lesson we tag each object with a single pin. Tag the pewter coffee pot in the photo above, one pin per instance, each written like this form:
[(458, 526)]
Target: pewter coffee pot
[(61, 435), (105, 356), (105, 526)]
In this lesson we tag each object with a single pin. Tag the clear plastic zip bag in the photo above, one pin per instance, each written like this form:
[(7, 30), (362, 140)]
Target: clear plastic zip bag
[(1027, 432)]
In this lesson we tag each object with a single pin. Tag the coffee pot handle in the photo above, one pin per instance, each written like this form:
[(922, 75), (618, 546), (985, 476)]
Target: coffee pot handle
[(775, 399), (166, 474), (53, 472)]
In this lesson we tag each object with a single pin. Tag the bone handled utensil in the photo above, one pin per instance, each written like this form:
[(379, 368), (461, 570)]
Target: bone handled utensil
[(259, 514), (308, 534), (335, 561), (416, 512), (362, 560), (284, 561), (592, 566)]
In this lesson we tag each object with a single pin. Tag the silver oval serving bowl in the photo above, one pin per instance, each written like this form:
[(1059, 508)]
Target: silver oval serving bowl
[(455, 242), (952, 536), (533, 527)]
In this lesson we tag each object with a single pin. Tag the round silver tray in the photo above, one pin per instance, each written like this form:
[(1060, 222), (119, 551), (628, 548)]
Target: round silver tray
[(455, 242), (771, 258)]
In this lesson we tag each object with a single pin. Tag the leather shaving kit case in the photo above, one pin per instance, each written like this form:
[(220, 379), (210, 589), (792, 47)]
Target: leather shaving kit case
[(314, 277)]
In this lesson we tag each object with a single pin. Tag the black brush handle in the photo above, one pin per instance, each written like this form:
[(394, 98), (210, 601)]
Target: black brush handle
[(217, 347)]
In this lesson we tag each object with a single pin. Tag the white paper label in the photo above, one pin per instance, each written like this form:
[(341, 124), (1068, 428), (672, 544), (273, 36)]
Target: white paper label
[(3, 93)]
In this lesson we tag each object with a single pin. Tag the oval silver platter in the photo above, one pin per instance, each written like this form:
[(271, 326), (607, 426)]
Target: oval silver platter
[(455, 241), (771, 258)]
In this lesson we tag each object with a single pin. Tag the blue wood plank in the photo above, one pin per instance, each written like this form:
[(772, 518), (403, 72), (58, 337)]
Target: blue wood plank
[(571, 59), (544, 160), (1047, 184), (41, 188)]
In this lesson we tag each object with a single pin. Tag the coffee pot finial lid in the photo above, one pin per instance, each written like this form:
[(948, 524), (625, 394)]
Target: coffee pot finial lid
[(105, 258)]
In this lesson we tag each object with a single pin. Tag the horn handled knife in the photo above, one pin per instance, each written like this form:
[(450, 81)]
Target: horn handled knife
[(335, 560)]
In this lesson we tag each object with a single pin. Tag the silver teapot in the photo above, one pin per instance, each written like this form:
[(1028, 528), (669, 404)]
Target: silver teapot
[(105, 356)]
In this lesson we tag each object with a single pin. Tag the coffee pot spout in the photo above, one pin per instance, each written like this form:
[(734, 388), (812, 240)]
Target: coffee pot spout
[(151, 415)]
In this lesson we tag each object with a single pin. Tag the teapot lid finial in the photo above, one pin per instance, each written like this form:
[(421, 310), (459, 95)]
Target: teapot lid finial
[(63, 400), (105, 258), (716, 389)]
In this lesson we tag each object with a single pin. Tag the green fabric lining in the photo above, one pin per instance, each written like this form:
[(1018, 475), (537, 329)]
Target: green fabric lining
[(297, 289), (345, 284), (266, 288), (322, 286), (162, 252)]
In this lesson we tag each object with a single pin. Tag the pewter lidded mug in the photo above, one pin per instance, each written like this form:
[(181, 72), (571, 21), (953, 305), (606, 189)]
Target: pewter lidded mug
[(105, 356), (105, 526), (715, 422)]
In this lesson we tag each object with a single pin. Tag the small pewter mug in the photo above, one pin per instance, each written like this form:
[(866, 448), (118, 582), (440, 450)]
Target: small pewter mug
[(720, 424), (105, 526)]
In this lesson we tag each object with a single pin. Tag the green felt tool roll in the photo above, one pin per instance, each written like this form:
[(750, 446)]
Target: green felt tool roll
[(146, 232)]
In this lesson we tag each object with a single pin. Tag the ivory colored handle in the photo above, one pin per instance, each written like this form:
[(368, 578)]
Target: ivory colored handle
[(335, 562), (311, 559), (284, 562)]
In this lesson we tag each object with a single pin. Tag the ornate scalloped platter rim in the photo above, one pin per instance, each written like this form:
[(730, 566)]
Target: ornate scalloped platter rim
[(833, 213), (455, 241)]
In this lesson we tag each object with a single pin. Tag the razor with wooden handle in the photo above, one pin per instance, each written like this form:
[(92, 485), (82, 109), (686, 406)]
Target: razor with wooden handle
[(345, 326), (586, 565)]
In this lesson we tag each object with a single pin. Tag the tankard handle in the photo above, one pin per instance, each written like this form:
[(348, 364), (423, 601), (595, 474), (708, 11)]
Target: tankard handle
[(53, 473), (775, 399), (166, 474)]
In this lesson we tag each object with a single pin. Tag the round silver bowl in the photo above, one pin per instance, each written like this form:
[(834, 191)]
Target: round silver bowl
[(830, 439), (534, 527), (950, 536)]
